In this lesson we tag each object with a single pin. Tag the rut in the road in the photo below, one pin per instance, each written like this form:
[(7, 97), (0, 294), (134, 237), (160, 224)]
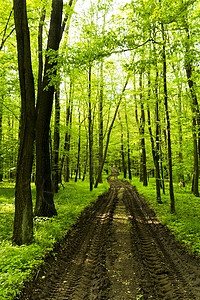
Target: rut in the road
[(118, 250)]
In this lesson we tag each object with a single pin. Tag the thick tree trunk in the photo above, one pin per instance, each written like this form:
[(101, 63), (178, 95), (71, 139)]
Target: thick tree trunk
[(44, 189), (23, 220), (171, 188)]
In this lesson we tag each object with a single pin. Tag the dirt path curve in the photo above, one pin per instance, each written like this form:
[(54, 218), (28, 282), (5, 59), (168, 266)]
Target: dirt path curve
[(118, 250)]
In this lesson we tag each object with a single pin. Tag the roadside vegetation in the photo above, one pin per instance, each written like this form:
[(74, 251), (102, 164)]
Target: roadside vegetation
[(185, 223), (18, 264)]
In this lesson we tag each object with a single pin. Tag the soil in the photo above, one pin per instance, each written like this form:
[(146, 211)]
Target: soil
[(118, 250)]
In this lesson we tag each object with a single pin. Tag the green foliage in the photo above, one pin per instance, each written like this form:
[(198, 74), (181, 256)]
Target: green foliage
[(17, 264), (185, 223)]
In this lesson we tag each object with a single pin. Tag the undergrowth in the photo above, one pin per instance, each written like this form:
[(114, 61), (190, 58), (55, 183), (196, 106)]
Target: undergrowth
[(185, 223), (17, 263)]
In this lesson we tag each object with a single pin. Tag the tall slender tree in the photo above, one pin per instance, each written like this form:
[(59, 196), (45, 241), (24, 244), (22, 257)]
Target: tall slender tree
[(171, 188), (90, 128)]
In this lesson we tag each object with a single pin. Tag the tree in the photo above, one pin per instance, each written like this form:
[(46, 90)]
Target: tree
[(171, 189), (141, 126), (195, 110), (128, 144), (90, 129), (44, 190), (55, 158), (101, 121), (122, 147), (23, 221)]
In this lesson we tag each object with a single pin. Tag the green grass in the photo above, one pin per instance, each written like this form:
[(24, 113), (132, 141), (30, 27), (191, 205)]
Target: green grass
[(185, 223), (17, 263)]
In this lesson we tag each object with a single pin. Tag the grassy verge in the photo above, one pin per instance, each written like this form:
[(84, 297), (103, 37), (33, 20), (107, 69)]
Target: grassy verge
[(17, 263), (185, 223)]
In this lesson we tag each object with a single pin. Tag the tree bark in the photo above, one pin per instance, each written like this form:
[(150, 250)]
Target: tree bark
[(23, 220), (44, 189)]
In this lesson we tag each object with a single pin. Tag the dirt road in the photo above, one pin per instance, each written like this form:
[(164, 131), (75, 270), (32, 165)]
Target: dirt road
[(118, 250)]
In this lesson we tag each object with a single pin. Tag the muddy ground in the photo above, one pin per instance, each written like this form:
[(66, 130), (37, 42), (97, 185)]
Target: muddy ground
[(118, 250)]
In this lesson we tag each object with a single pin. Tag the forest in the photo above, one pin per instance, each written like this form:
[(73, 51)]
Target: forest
[(90, 84)]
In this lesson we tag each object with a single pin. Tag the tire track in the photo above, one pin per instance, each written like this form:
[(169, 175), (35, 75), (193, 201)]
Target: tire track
[(118, 250), (166, 268), (86, 276)]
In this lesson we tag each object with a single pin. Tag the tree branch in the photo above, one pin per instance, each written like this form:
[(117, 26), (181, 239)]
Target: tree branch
[(4, 38)]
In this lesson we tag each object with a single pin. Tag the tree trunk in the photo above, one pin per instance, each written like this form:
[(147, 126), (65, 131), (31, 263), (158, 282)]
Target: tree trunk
[(122, 147), (155, 159), (128, 146), (163, 156), (40, 53), (171, 188), (155, 149), (142, 139), (1, 147), (195, 114), (44, 189), (79, 148), (23, 220), (101, 121), (55, 160), (180, 131), (66, 153), (90, 126), (86, 160)]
